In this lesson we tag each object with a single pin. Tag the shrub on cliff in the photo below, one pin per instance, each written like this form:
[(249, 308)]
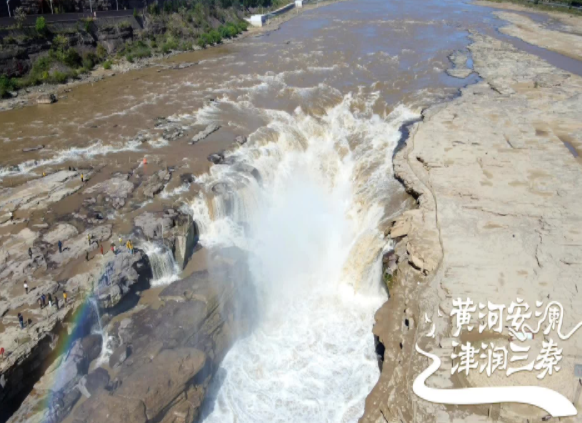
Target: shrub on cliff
[(101, 52), (60, 42), (204, 40), (41, 65), (142, 52), (40, 26), (89, 61), (215, 36), (6, 85), (228, 31), (58, 77), (186, 46), (242, 26), (170, 44), (72, 59), (153, 9), (107, 64)]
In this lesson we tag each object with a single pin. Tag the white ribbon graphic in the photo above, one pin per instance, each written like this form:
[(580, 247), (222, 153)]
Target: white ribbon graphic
[(551, 401)]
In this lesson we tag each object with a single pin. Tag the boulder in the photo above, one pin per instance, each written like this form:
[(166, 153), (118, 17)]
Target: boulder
[(115, 190), (240, 139), (119, 356), (95, 381), (160, 381), (120, 274), (31, 149), (172, 134), (216, 158), (92, 346), (46, 99), (187, 178), (60, 405), (105, 408), (156, 183), (400, 228), (205, 133), (39, 193), (152, 225), (185, 242)]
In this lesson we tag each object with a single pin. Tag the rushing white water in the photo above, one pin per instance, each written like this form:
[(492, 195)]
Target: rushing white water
[(311, 222), (164, 268), (106, 350)]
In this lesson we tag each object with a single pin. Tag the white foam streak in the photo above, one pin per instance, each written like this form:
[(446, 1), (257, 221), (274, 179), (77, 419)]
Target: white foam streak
[(75, 153)]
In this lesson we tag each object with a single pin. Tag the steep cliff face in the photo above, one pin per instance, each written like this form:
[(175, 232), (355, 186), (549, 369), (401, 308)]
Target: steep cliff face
[(20, 48)]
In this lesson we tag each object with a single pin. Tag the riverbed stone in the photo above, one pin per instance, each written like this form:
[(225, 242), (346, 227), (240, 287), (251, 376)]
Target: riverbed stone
[(205, 133)]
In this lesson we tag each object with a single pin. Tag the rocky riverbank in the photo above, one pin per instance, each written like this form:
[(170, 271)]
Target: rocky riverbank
[(67, 269), (495, 174)]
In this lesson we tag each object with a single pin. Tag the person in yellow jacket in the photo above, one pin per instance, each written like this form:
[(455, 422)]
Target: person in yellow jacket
[(129, 246)]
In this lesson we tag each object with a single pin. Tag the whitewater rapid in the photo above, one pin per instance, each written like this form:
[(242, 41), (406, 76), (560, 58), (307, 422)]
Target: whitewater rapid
[(165, 270), (311, 225)]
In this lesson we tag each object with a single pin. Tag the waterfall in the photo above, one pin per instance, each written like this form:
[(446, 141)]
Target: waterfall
[(312, 222), (106, 350), (165, 270)]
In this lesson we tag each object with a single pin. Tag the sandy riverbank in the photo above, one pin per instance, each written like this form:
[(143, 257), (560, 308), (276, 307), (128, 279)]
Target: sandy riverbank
[(496, 173)]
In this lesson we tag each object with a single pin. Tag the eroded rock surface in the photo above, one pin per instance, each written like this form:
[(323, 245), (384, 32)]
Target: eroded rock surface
[(174, 349), (498, 204)]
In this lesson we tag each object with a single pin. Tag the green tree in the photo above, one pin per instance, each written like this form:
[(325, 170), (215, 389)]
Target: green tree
[(40, 26)]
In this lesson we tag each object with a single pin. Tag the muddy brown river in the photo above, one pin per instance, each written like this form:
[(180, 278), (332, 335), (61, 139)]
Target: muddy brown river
[(321, 102)]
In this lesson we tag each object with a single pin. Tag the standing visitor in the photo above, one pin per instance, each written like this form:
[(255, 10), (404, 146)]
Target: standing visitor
[(30, 252), (60, 246), (82, 178), (65, 297), (101, 249), (50, 300), (26, 288), (21, 320), (43, 299)]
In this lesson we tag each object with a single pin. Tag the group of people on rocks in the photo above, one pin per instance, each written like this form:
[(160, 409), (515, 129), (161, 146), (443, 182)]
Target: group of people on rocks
[(42, 300), (53, 300), (90, 240)]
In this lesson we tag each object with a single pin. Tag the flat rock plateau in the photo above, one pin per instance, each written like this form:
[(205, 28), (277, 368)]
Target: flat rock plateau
[(496, 176)]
